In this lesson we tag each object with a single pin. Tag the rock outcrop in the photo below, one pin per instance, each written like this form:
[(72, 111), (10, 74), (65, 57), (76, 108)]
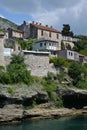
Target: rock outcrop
[(14, 113), (76, 98), (22, 95)]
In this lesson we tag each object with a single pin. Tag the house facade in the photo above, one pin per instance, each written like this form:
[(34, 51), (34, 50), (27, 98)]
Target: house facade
[(10, 38), (13, 33), (69, 55), (25, 28), (82, 59), (45, 35), (68, 41)]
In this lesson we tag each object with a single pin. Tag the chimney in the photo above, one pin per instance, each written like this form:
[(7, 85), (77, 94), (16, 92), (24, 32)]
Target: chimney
[(33, 22), (51, 26), (36, 22), (46, 25), (40, 23)]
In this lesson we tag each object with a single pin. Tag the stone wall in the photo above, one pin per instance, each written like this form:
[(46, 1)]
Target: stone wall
[(38, 63), (7, 60), (1, 50)]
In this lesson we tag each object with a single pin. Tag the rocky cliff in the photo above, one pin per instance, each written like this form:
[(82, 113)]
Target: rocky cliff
[(15, 99), (73, 97), (22, 95)]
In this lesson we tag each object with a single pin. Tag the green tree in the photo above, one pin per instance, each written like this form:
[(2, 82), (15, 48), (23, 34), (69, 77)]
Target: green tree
[(66, 30), (75, 71), (59, 62), (26, 44), (81, 45), (18, 71)]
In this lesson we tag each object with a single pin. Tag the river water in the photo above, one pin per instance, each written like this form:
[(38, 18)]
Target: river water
[(74, 123)]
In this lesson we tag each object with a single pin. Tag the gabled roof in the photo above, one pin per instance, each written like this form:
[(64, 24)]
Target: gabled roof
[(81, 55), (39, 26), (16, 30), (85, 57)]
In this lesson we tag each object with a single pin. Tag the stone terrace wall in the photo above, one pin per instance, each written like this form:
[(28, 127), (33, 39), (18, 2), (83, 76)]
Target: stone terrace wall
[(1, 50), (38, 63)]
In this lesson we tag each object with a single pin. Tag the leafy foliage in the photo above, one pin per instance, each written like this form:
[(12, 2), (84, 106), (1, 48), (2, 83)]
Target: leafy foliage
[(18, 71), (75, 71), (81, 45), (59, 62), (66, 30), (26, 44)]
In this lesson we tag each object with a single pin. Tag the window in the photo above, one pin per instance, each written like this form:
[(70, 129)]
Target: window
[(19, 48), (45, 44), (49, 34), (69, 53), (49, 44), (41, 32), (40, 44), (57, 35)]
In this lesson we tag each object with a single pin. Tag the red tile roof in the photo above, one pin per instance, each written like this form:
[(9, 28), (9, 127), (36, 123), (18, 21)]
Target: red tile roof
[(85, 57), (81, 55), (46, 28)]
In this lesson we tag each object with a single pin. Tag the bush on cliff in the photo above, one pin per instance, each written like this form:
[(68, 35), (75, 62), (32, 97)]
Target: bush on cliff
[(59, 62), (75, 71), (18, 71)]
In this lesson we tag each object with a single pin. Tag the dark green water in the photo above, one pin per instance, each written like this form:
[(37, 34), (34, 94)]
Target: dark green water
[(75, 123)]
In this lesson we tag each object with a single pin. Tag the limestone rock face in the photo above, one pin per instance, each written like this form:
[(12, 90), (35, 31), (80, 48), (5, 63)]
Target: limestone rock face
[(73, 97), (23, 95)]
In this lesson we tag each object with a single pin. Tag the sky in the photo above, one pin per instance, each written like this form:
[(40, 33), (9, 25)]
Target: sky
[(48, 12)]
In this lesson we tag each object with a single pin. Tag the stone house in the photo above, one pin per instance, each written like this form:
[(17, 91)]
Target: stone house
[(68, 41), (69, 55), (10, 42), (25, 27), (82, 59), (47, 38), (46, 45), (15, 33)]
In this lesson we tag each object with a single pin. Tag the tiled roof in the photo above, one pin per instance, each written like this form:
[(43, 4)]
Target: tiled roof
[(16, 30), (85, 57), (81, 55), (46, 28)]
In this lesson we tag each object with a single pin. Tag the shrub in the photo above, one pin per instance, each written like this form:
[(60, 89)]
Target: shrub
[(82, 84), (18, 71), (59, 62), (75, 71), (59, 103)]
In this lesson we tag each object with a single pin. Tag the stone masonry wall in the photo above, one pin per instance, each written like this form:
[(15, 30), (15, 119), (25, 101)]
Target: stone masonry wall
[(38, 63), (1, 51)]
